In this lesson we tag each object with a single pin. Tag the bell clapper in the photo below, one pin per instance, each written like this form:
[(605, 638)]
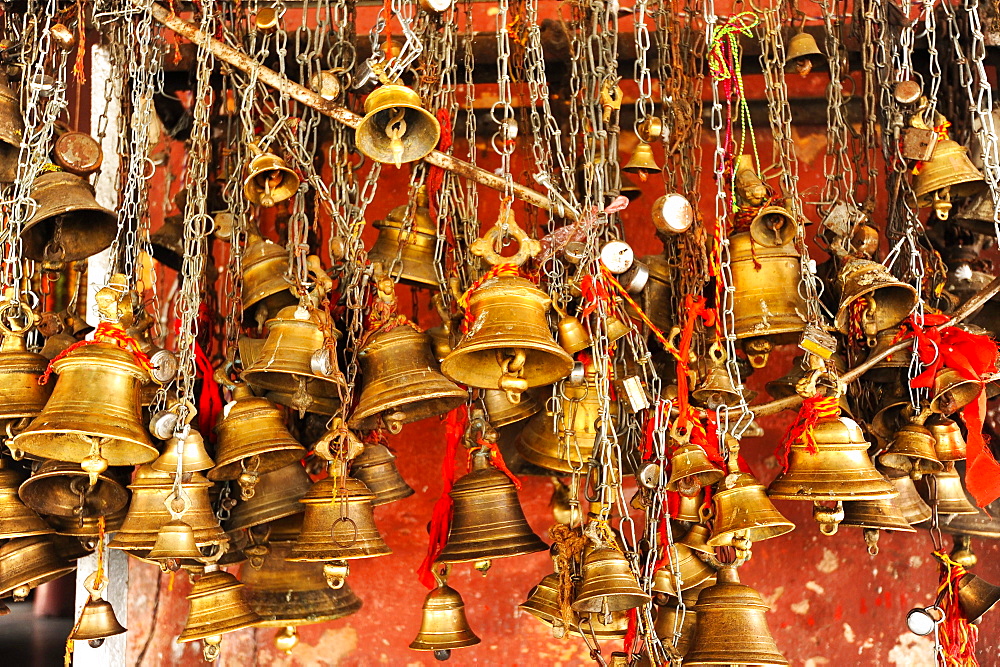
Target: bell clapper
[(286, 639), (483, 566), (442, 654), (828, 518), (395, 129), (871, 540), (212, 647)]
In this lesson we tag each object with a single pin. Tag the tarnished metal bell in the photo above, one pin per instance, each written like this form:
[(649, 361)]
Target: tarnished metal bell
[(28, 562), (415, 244), (573, 335), (773, 226), (948, 174), (732, 626), (769, 310), (269, 180), (891, 368), (910, 504), (946, 489), (402, 382), (690, 470), (97, 621), (85, 528), (11, 120), (265, 290), (63, 489), (69, 224), (543, 604), (802, 54), (840, 468), (978, 214), (487, 519), (884, 300), (983, 523), (443, 626), (873, 516), (655, 296), (194, 458), (396, 128), (976, 596), (609, 584), (912, 452), (667, 626), (376, 467), (95, 404), (743, 511), (953, 391), (217, 605), (502, 412), (20, 393), (642, 162), (276, 496), (693, 571), (16, 518), (167, 242)]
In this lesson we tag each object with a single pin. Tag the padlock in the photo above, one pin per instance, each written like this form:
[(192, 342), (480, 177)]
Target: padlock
[(917, 143), (630, 389), (818, 341)]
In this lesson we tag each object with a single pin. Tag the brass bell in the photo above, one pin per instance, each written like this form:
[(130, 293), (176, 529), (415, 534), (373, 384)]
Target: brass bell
[(769, 310), (95, 405), (773, 226), (697, 538), (886, 300), (872, 516), (573, 335), (376, 467), (802, 54), (443, 626), (508, 344), (269, 180), (744, 512), (655, 296), (891, 368), (839, 469), (252, 440), (86, 528), (891, 416), (609, 585), (338, 523), (643, 162), (20, 393), (174, 543), (690, 470), (949, 174), (402, 382), (415, 245), (911, 452), (603, 627), (961, 551), (64, 489), (667, 627), (190, 449), (11, 120), (287, 361), (946, 489), (97, 622), (976, 596), (716, 388), (29, 562), (983, 523), (953, 391), (16, 518), (543, 604), (732, 626), (693, 571), (396, 128), (949, 445), (68, 224), (978, 214), (910, 504), (217, 605), (265, 290), (288, 593), (167, 242), (502, 412), (487, 520), (276, 496)]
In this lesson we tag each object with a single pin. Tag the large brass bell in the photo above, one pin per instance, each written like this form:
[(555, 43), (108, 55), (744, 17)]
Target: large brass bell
[(693, 571), (802, 54), (20, 393), (415, 244), (167, 242), (487, 519), (64, 489), (976, 596), (949, 174), (97, 622), (294, 359), (402, 382), (609, 585), (769, 310), (732, 626), (501, 411), (217, 605), (886, 300), (28, 562), (69, 224), (910, 504), (189, 449), (95, 405), (376, 467), (276, 496), (912, 452), (16, 518), (953, 391), (269, 180), (946, 489), (743, 512), (396, 128), (265, 290), (690, 470), (443, 626), (85, 528)]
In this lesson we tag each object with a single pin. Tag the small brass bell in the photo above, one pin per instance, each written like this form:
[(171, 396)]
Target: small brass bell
[(802, 54), (716, 390), (502, 412), (174, 543), (217, 605), (655, 295), (396, 128), (946, 489), (416, 264), (948, 174), (886, 300), (191, 450), (97, 622), (689, 508), (983, 523), (669, 628), (64, 489), (573, 335), (872, 516), (376, 467), (953, 391), (487, 519), (643, 162), (891, 368), (276, 496), (732, 626), (167, 242), (609, 585), (773, 226), (402, 382), (443, 626), (29, 562), (269, 180), (68, 225), (264, 287), (961, 551), (693, 571), (543, 604), (976, 596), (743, 511), (912, 452), (20, 393), (690, 470), (16, 518), (910, 504)]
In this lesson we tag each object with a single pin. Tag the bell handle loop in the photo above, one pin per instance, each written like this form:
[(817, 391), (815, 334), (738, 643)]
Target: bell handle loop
[(213, 558), (177, 497), (716, 353), (9, 310), (221, 374), (485, 245), (333, 531), (441, 571), (93, 587), (680, 434)]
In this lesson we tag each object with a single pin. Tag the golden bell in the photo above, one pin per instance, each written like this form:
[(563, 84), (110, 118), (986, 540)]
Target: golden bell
[(376, 467), (338, 523), (502, 412), (415, 246), (953, 391), (887, 301), (443, 626), (976, 596), (949, 445), (983, 523), (732, 626), (802, 54), (840, 468), (508, 344), (949, 174), (20, 393), (148, 511), (276, 496), (773, 226), (690, 470), (174, 541), (217, 605), (194, 458), (603, 627), (769, 310), (961, 551), (95, 402), (910, 504), (873, 516), (96, 623), (16, 518), (69, 224), (286, 360), (167, 242), (573, 336), (543, 604), (655, 296), (892, 367), (947, 489), (693, 571), (63, 489), (689, 508), (11, 120), (265, 265), (86, 528), (402, 383), (743, 510), (977, 214), (642, 162), (287, 593), (666, 627), (29, 562), (396, 128), (716, 390), (487, 520), (269, 180), (911, 452), (609, 584), (252, 440)]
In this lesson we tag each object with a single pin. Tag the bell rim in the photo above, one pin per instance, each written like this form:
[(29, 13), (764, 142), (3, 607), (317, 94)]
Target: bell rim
[(42, 443), (273, 459)]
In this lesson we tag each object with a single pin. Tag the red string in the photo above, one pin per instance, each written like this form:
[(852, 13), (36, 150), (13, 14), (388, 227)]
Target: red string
[(496, 460), (106, 332), (435, 175), (454, 430), (494, 272), (813, 409), (696, 309), (958, 635), (632, 632)]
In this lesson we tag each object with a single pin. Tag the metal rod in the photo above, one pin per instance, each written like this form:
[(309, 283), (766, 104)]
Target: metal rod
[(340, 114)]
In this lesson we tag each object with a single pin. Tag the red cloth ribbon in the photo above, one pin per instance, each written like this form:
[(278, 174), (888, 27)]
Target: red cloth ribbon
[(972, 356), (496, 460), (632, 632), (454, 430), (594, 292), (812, 410), (696, 309)]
